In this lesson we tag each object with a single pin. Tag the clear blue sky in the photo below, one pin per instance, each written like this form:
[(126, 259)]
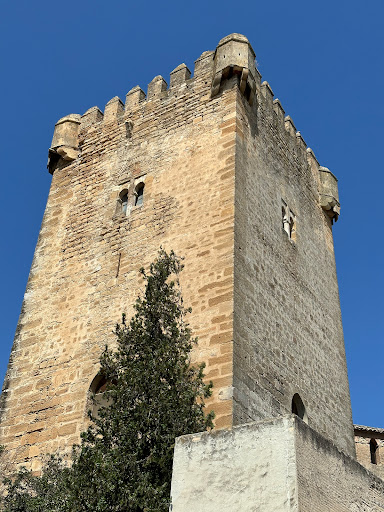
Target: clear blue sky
[(323, 60)]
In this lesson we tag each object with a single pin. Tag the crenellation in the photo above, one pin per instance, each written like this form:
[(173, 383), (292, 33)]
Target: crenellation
[(280, 112), (314, 167), (300, 141), (289, 126), (113, 110), (92, 116), (156, 87), (179, 75), (133, 97), (267, 92), (369, 443), (203, 65), (312, 159), (258, 78)]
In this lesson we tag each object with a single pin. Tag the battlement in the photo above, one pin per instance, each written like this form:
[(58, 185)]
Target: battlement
[(232, 62)]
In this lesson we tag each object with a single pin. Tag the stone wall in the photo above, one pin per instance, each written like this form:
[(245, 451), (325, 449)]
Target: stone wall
[(330, 480), (181, 143), (218, 163), (287, 320), (363, 437)]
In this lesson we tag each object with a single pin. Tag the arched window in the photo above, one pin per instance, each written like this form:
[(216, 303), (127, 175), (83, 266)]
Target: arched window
[(99, 384), (298, 407), (124, 201), (289, 221), (139, 194), (99, 390), (374, 449)]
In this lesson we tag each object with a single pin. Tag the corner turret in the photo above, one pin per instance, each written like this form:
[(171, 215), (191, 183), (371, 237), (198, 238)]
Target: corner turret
[(65, 141), (329, 194), (234, 55)]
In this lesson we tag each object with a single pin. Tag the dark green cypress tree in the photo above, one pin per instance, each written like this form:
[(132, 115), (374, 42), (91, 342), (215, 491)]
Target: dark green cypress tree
[(153, 395)]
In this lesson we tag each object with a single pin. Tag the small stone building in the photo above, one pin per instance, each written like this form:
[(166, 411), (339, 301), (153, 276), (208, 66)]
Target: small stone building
[(369, 442)]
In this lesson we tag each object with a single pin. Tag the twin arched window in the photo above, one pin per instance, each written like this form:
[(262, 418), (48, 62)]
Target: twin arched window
[(130, 198), (289, 221)]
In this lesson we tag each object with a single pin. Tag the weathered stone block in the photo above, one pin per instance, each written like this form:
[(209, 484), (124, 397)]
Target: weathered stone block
[(91, 116), (179, 75), (113, 110), (156, 87), (133, 98)]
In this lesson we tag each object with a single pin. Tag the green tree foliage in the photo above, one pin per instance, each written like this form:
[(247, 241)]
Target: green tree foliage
[(153, 394)]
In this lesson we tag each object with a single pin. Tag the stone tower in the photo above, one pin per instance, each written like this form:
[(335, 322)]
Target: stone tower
[(211, 167)]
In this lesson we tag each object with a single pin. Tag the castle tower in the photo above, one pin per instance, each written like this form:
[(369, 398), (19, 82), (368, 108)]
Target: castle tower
[(208, 166)]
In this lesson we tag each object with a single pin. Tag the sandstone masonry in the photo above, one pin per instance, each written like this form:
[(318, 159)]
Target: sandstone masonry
[(369, 444), (210, 167)]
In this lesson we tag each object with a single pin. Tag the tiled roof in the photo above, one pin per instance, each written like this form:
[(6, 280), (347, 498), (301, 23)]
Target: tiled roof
[(369, 429)]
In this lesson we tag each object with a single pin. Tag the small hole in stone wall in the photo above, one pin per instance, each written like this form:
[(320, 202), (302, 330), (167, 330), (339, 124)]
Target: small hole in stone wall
[(298, 407)]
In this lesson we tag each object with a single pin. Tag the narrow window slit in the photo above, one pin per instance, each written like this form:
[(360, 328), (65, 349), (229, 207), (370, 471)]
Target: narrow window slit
[(289, 221), (118, 265)]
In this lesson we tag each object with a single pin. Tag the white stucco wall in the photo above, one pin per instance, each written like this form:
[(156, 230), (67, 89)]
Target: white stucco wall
[(249, 469), (277, 465)]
